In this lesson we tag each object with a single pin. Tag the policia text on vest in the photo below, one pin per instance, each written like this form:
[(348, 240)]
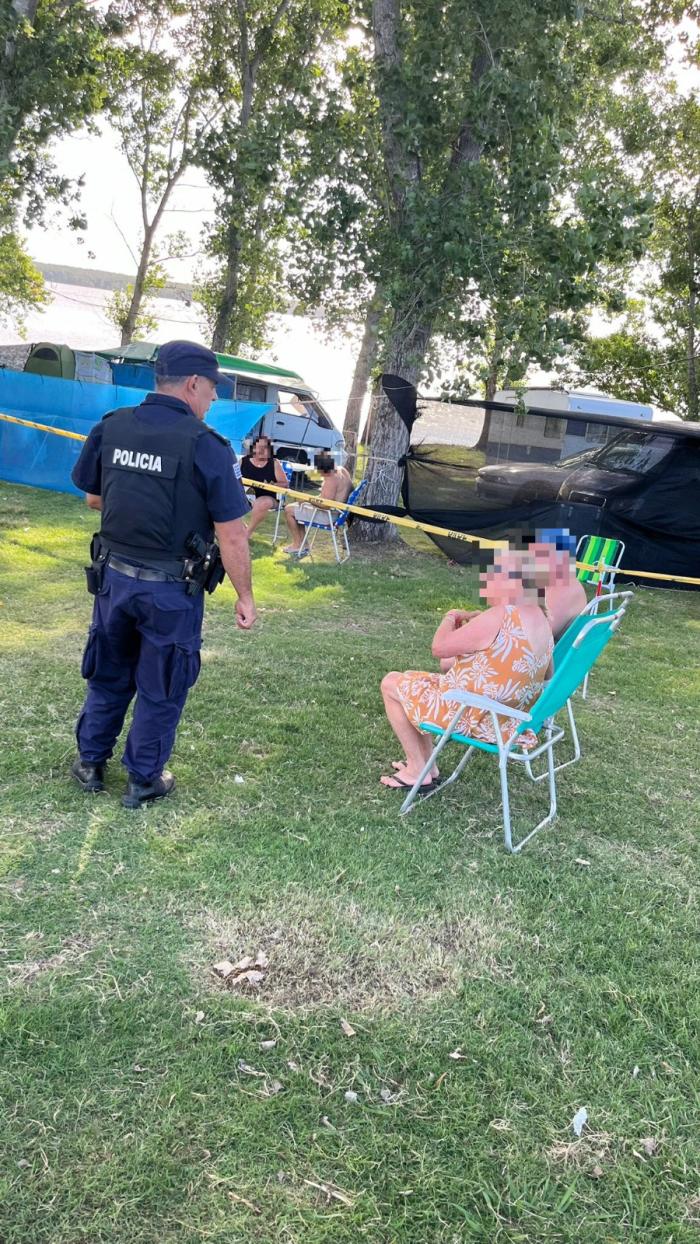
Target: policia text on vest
[(142, 461)]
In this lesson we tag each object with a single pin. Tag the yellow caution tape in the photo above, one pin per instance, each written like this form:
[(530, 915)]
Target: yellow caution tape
[(320, 503), (398, 521), (42, 427)]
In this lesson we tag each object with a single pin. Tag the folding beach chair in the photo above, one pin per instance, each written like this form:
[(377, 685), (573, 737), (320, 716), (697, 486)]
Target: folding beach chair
[(337, 528), (584, 650), (603, 556), (288, 468), (611, 601)]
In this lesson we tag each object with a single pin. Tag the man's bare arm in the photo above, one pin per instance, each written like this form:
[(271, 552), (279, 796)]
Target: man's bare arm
[(235, 554)]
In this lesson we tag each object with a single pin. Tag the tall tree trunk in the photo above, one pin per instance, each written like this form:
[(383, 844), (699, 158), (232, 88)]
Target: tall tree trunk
[(129, 325), (360, 380), (390, 438), (489, 389), (691, 344), (229, 295)]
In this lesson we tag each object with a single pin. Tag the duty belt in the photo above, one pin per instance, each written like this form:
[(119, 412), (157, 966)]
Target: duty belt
[(141, 572)]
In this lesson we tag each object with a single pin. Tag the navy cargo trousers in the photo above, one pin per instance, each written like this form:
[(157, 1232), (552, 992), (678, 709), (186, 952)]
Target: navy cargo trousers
[(144, 641)]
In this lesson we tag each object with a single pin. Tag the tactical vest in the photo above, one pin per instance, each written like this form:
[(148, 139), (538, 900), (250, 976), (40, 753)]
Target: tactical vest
[(150, 503)]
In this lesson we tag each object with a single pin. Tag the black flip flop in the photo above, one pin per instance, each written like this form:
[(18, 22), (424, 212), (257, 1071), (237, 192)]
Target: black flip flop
[(425, 789)]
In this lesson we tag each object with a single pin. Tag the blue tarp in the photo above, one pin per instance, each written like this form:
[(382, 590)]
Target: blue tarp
[(46, 461)]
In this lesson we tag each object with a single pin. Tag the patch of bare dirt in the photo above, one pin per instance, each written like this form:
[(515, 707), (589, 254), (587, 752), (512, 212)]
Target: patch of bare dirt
[(339, 953)]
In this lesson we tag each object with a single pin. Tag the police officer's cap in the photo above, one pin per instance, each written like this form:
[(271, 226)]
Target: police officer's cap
[(186, 358)]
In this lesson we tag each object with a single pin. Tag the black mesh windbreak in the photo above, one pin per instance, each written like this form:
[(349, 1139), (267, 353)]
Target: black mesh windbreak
[(490, 470)]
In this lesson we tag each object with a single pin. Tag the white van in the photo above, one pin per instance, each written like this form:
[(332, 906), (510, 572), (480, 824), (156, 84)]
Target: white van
[(298, 426)]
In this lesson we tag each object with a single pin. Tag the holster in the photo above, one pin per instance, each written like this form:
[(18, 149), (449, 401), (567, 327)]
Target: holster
[(95, 572), (204, 570)]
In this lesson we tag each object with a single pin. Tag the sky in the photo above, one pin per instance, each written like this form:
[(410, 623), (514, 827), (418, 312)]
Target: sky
[(110, 201)]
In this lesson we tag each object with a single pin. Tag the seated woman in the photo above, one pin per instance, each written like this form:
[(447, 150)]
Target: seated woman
[(502, 652), (260, 465)]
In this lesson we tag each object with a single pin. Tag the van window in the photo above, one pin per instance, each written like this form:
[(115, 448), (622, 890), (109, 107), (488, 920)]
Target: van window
[(303, 404), (250, 391)]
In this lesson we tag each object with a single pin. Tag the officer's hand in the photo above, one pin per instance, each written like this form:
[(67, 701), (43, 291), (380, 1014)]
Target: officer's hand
[(246, 612)]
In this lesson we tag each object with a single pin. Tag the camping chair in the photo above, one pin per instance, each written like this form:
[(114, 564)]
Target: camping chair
[(617, 601), (585, 648), (337, 528), (605, 555), (288, 469)]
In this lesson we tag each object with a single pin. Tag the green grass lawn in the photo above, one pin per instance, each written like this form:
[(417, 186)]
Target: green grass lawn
[(145, 1102)]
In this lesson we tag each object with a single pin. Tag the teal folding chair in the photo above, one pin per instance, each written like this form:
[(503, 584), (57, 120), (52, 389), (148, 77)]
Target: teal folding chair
[(584, 650), (611, 601)]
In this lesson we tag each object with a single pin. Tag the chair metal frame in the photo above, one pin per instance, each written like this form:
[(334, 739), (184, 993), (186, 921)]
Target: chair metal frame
[(336, 527), (281, 501), (581, 655)]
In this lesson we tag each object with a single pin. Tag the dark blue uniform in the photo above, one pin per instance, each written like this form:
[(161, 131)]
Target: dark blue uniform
[(145, 635)]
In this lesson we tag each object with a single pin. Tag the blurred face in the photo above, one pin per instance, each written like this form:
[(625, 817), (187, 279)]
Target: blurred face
[(262, 448), (552, 566), (502, 583)]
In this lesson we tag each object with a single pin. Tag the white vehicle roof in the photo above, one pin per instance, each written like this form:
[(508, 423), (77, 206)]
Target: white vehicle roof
[(577, 400)]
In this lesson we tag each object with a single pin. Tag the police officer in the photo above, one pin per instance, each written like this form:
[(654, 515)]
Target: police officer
[(159, 475)]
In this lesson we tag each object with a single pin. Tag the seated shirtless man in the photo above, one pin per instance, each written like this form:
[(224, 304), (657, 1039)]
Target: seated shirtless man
[(337, 486), (554, 552)]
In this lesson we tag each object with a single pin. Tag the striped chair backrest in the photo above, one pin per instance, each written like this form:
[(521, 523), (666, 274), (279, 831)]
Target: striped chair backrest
[(603, 554)]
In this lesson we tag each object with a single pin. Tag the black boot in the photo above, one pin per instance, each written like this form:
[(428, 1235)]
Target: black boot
[(90, 777), (137, 794)]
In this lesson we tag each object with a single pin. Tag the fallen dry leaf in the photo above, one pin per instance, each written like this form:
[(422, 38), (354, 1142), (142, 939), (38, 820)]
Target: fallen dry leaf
[(347, 1028), (243, 964), (597, 1172), (251, 977), (649, 1145), (224, 969), (458, 1056)]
